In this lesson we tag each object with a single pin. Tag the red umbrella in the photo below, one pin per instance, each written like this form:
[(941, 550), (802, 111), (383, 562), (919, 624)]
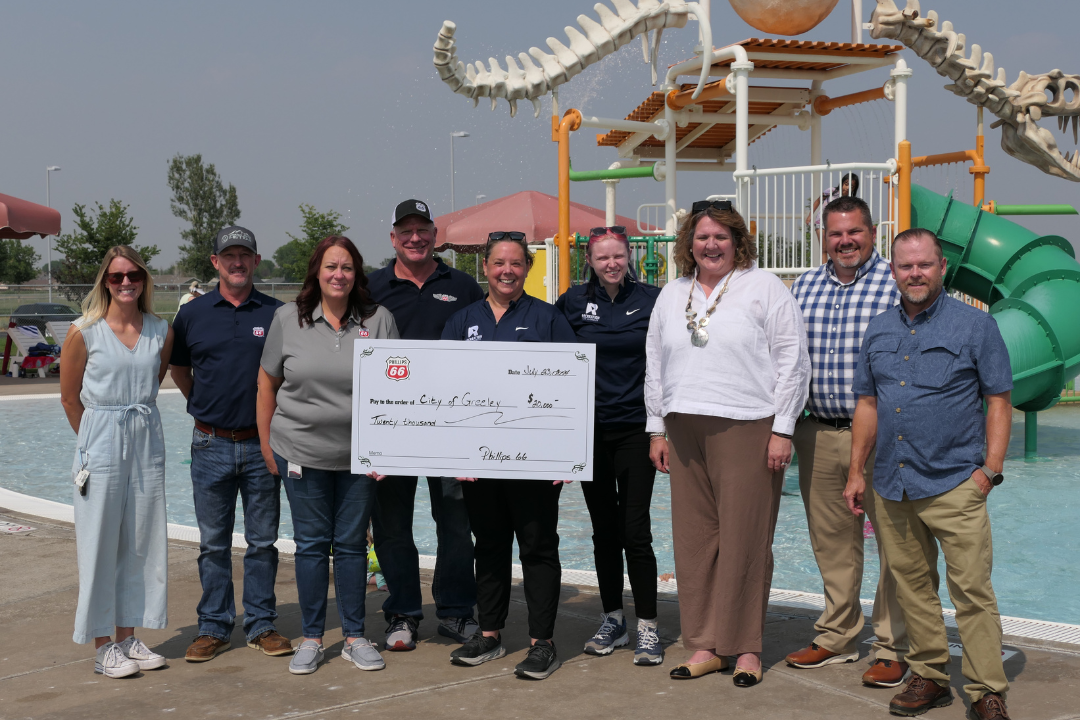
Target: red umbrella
[(534, 213), (22, 219)]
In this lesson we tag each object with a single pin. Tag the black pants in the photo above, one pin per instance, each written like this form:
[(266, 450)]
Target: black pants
[(619, 498), (499, 510)]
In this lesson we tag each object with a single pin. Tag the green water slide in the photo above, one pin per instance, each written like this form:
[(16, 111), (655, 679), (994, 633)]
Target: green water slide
[(1031, 283)]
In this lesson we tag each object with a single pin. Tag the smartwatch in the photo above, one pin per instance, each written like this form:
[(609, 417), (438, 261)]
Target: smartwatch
[(995, 478)]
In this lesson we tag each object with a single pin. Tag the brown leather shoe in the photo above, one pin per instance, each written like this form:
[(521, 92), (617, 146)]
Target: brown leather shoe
[(885, 673), (816, 656), (989, 707), (271, 643), (919, 696), (205, 648)]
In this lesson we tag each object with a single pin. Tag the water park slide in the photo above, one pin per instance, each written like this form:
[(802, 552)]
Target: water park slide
[(1031, 283)]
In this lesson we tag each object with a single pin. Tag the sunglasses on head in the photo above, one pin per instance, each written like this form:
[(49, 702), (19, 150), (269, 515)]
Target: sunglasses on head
[(609, 230), (117, 278), (703, 205), (501, 235)]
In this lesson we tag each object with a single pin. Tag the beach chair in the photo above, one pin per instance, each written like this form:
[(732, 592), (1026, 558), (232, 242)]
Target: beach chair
[(58, 330), (24, 338)]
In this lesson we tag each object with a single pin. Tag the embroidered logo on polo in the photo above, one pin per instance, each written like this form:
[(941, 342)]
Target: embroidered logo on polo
[(590, 312), (474, 333), (258, 332), (364, 332), (444, 297), (397, 368)]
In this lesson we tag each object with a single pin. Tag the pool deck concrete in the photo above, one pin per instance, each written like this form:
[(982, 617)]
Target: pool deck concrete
[(45, 675)]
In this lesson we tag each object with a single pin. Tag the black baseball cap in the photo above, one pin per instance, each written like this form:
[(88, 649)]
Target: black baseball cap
[(234, 235), (411, 207)]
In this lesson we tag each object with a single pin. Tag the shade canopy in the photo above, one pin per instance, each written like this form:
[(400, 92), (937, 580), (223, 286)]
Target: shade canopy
[(21, 219), (534, 213)]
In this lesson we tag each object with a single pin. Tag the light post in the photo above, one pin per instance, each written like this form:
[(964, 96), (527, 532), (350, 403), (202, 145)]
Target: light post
[(49, 170), (479, 198), (455, 134)]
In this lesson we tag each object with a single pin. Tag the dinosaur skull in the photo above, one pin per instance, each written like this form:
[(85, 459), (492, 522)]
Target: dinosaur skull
[(1019, 106)]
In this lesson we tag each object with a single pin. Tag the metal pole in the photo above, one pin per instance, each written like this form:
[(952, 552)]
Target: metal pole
[(48, 238), (452, 172), (1031, 434)]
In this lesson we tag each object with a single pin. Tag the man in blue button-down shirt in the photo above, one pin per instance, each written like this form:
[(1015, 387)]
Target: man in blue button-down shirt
[(924, 371)]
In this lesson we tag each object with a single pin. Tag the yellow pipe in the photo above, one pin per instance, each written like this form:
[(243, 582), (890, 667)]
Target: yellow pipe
[(561, 133), (823, 104), (679, 99), (979, 169), (904, 165)]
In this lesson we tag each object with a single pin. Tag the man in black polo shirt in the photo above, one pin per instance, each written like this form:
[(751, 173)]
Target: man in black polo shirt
[(215, 363), (422, 293)]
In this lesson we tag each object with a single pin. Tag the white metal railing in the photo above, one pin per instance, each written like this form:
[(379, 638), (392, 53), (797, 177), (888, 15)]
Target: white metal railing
[(655, 216), (782, 208)]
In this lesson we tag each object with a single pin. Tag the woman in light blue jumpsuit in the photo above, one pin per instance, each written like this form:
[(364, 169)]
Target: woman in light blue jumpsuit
[(113, 361)]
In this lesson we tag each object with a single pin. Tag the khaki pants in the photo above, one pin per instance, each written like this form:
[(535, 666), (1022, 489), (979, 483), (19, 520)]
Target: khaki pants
[(837, 538), (724, 502), (909, 532)]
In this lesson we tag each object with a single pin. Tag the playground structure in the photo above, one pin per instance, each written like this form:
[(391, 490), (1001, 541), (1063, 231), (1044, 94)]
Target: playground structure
[(1030, 284)]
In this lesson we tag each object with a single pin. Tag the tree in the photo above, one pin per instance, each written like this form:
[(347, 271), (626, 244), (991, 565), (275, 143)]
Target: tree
[(17, 262), (293, 256), (84, 248), (266, 269), (201, 199)]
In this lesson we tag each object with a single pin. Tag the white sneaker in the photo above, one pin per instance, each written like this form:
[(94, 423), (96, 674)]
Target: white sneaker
[(135, 649), (112, 662)]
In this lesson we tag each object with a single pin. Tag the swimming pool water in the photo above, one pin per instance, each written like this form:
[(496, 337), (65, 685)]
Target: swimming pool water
[(1036, 543)]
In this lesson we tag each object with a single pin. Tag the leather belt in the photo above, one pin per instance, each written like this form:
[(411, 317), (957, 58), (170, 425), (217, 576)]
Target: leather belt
[(234, 435), (838, 423)]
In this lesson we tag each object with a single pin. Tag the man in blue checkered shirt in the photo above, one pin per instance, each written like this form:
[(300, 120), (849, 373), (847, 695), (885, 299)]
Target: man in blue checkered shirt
[(838, 300)]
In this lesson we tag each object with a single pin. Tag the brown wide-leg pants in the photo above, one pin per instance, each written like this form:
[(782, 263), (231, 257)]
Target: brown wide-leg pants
[(724, 502)]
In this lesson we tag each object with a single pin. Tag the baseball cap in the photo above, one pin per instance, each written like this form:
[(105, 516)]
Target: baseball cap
[(234, 235), (410, 207)]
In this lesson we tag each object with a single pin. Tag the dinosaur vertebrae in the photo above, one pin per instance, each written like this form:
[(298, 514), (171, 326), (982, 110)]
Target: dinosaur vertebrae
[(1018, 106), (530, 82)]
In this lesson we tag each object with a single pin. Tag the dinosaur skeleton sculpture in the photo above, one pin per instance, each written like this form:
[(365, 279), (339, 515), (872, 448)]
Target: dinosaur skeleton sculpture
[(1018, 106), (594, 41)]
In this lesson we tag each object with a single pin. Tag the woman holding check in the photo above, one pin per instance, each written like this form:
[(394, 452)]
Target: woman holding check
[(728, 374), (500, 509), (304, 412)]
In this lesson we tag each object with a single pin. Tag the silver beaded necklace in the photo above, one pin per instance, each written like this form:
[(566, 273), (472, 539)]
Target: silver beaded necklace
[(699, 336)]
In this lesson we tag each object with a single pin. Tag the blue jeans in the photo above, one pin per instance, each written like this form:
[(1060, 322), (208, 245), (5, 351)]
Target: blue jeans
[(454, 586), (220, 469), (330, 509)]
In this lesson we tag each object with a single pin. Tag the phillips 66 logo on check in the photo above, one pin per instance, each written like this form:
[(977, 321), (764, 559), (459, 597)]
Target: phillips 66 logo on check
[(397, 368)]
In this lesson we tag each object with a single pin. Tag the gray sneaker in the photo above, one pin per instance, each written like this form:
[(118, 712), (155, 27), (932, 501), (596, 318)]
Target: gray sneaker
[(363, 654), (306, 659), (401, 634), (459, 629), (113, 663), (137, 651)]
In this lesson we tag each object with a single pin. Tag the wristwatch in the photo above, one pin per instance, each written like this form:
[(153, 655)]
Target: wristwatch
[(995, 478)]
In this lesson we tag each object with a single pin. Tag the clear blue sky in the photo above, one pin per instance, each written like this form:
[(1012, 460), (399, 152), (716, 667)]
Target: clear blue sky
[(337, 104)]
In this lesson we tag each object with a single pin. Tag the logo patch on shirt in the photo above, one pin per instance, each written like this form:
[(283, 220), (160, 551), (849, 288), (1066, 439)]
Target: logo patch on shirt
[(474, 333), (397, 368), (443, 297), (364, 332), (590, 312), (258, 332)]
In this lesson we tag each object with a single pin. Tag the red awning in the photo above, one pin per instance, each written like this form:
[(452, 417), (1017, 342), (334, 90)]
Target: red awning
[(534, 213), (21, 219)]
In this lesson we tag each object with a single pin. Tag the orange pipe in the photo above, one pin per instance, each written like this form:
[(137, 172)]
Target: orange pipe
[(945, 158), (679, 99), (571, 121), (979, 170), (904, 166), (823, 104)]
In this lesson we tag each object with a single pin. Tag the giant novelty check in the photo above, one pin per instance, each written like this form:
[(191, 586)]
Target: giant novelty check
[(521, 411)]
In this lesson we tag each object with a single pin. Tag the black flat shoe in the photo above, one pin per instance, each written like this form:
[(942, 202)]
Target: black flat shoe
[(746, 678)]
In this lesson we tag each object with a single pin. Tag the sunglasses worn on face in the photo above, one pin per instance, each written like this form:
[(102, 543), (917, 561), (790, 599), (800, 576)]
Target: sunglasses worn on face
[(500, 235), (703, 205), (117, 278)]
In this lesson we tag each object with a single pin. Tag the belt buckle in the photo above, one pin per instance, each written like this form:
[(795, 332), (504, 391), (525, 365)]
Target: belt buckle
[(232, 436)]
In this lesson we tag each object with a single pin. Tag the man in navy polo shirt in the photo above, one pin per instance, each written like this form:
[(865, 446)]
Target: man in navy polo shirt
[(422, 293), (215, 363)]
